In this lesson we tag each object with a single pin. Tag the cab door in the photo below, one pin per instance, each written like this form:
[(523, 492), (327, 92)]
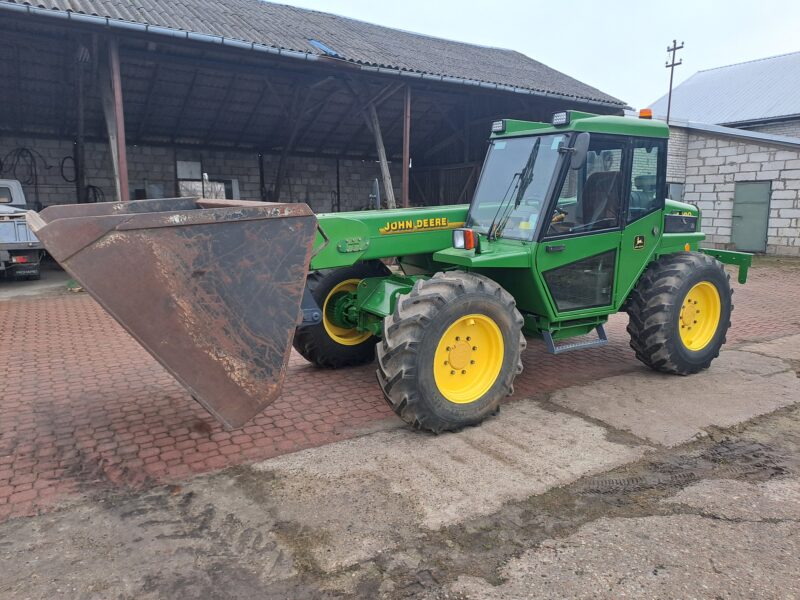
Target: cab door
[(644, 215), (577, 257)]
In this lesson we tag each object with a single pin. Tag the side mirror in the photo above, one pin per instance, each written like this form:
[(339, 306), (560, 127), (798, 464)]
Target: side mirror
[(579, 150)]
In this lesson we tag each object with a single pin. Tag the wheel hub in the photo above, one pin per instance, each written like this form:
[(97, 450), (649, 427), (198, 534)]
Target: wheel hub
[(460, 353), (469, 357), (336, 312), (700, 315)]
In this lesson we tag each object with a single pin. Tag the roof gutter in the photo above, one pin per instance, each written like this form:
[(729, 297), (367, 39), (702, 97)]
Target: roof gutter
[(154, 29), (179, 34), (762, 121), (743, 134)]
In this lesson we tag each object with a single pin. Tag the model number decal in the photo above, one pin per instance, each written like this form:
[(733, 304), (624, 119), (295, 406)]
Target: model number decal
[(412, 225)]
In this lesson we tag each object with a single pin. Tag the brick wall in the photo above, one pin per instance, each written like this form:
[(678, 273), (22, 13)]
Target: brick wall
[(676, 155), (790, 128), (309, 180), (713, 167)]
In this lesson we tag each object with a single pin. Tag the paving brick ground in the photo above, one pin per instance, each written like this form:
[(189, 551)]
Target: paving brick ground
[(82, 406)]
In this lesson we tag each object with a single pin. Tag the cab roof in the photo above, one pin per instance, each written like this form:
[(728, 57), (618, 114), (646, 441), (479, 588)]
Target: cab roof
[(581, 121)]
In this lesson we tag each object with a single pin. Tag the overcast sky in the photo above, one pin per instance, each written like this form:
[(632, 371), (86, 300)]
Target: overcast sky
[(618, 47)]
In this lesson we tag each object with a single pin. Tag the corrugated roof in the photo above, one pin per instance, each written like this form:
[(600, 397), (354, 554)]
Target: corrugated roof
[(290, 28), (758, 90), (757, 137)]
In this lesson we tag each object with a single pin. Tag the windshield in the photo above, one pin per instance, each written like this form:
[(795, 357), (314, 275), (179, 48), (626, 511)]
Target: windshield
[(512, 191)]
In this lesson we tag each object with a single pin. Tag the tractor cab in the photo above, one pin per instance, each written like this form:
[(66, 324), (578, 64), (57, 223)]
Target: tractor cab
[(579, 204), (579, 175)]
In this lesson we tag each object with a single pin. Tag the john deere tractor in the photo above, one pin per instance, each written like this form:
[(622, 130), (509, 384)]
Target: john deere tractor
[(569, 224)]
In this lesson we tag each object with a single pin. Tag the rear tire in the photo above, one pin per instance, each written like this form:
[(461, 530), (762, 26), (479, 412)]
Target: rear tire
[(680, 313), (430, 368), (316, 343)]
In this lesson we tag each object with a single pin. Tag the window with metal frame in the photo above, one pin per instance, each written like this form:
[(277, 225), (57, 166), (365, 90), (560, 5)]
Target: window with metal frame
[(647, 173), (587, 283), (591, 197)]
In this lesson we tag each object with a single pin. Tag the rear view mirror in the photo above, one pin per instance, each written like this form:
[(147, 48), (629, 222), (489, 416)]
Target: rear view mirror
[(579, 150)]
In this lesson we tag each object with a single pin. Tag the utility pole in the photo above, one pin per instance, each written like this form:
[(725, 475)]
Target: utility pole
[(671, 64)]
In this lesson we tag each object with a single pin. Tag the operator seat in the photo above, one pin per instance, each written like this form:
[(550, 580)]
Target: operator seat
[(601, 197)]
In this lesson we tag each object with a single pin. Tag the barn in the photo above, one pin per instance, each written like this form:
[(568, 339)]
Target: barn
[(253, 100)]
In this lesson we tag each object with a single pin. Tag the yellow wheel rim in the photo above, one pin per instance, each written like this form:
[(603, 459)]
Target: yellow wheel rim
[(700, 314), (468, 358), (343, 335)]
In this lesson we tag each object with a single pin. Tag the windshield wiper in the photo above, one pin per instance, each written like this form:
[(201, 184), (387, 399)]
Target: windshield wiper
[(525, 179), (514, 179)]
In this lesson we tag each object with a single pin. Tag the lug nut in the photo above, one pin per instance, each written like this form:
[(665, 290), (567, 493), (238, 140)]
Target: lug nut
[(464, 372), (474, 348), (472, 362), (452, 372)]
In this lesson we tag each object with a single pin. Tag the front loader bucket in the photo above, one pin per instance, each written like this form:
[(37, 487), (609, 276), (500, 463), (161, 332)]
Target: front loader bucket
[(211, 288)]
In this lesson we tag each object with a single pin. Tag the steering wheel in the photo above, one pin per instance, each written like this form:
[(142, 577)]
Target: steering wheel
[(559, 214)]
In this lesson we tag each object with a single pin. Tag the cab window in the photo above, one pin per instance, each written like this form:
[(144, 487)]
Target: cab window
[(5, 195), (646, 195), (591, 197)]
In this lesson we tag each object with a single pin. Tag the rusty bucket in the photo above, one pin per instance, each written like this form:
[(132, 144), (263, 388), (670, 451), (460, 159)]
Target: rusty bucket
[(210, 288)]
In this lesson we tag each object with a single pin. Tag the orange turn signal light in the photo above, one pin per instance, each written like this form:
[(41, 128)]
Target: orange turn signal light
[(646, 113)]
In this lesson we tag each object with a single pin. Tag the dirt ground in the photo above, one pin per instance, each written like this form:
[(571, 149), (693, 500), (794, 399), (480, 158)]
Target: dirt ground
[(636, 485)]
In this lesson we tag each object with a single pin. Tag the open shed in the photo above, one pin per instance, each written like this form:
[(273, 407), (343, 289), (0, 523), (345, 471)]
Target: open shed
[(256, 100)]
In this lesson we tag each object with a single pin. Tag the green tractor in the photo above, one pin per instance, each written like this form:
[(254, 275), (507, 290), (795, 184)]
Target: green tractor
[(569, 224)]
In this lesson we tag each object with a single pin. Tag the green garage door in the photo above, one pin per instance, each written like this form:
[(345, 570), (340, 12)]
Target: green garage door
[(751, 215)]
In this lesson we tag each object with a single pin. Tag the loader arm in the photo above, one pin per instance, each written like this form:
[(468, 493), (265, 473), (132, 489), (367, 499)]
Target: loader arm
[(344, 239)]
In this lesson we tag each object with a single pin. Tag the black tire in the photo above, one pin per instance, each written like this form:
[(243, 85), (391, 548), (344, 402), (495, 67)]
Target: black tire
[(654, 308), (313, 341), (410, 338)]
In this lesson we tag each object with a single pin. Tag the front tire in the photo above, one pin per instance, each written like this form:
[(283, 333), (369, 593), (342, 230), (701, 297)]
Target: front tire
[(680, 313), (450, 351), (325, 344)]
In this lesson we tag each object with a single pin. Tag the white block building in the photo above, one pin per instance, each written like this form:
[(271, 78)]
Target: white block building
[(735, 152)]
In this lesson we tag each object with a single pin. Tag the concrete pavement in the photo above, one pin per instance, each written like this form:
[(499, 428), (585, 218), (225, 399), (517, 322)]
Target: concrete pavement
[(562, 495), (84, 407)]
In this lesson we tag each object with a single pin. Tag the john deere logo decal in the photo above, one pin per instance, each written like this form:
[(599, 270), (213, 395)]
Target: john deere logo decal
[(412, 225), (638, 242)]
